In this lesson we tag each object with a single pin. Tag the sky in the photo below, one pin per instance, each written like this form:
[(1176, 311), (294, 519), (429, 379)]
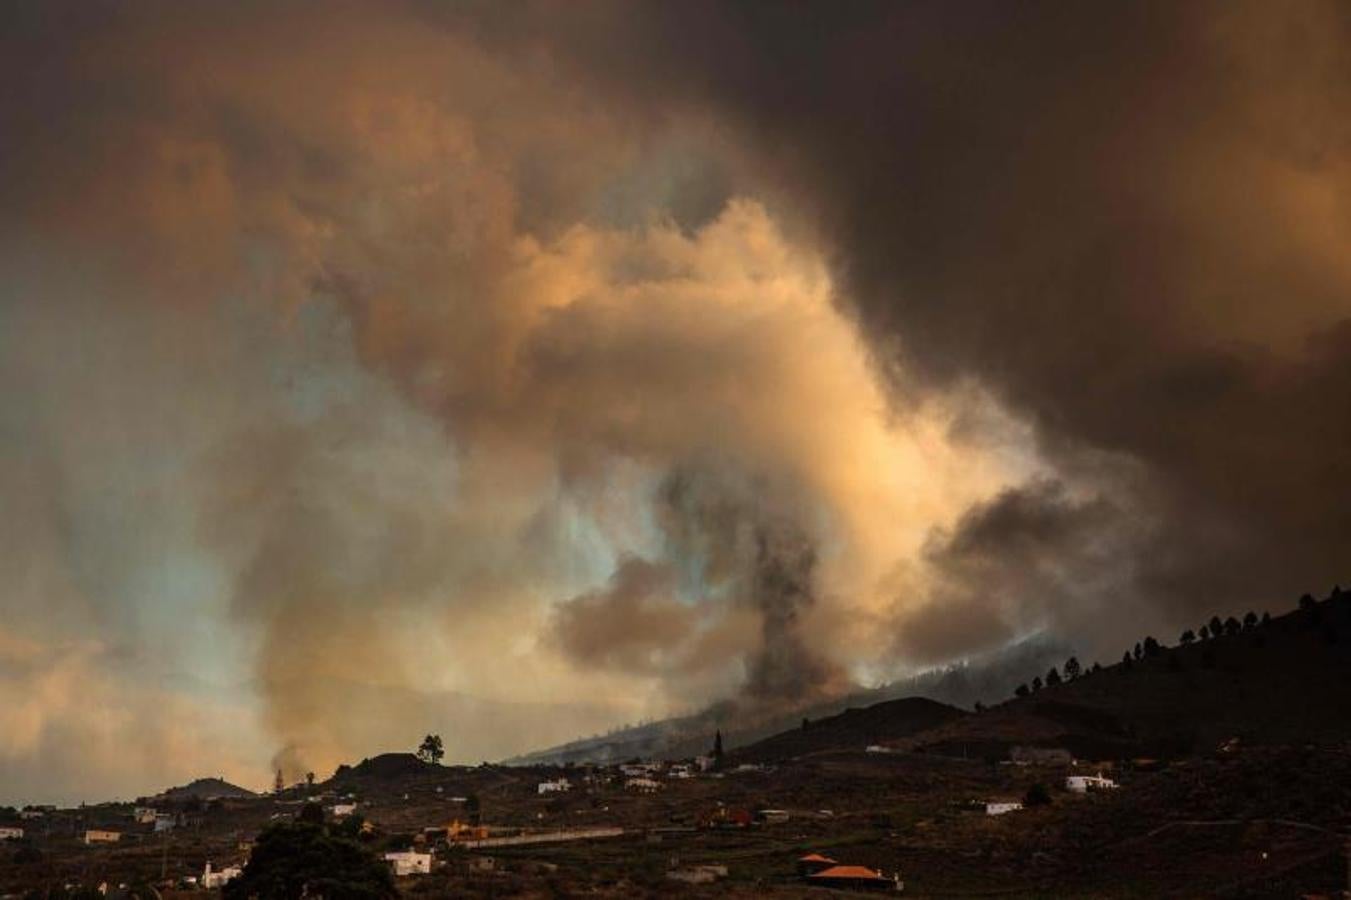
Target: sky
[(520, 371)]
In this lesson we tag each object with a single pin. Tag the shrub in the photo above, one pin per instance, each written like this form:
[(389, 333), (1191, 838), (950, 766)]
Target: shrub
[(1037, 795), (290, 861)]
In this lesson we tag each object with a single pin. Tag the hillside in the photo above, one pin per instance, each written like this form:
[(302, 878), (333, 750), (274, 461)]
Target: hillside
[(1285, 681), (743, 723), (852, 729), (206, 789)]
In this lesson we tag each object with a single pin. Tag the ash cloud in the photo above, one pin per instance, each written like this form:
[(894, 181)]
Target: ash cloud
[(400, 352), (1128, 224)]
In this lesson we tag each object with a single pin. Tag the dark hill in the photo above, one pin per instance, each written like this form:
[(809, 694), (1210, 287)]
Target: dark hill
[(743, 722), (852, 729), (206, 789), (1287, 681), (388, 766)]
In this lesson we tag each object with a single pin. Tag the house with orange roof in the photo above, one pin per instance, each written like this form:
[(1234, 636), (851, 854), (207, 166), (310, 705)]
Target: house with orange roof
[(855, 878)]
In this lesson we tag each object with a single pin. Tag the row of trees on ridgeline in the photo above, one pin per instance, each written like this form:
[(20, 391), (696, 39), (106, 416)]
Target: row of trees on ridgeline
[(1148, 647)]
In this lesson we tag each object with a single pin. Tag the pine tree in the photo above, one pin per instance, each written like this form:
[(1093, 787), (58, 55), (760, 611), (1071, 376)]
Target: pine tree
[(717, 747), (278, 785), (1072, 669)]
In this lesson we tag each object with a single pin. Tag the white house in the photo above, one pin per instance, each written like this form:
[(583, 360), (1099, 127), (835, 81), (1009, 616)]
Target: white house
[(343, 809), (562, 785), (1082, 784), (10, 833), (878, 748), (30, 814), (99, 836), (144, 815), (410, 862), (643, 785), (212, 879), (1000, 807), (680, 771)]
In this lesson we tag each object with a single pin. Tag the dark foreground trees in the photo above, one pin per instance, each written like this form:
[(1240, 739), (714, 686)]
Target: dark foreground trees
[(304, 860)]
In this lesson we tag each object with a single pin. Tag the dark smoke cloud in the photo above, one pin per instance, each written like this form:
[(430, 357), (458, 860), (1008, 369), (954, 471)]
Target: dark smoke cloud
[(1129, 222), (406, 323), (737, 552)]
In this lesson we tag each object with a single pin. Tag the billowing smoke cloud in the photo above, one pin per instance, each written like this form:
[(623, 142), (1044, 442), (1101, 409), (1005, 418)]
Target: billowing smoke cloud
[(382, 374), (1129, 224), (418, 368)]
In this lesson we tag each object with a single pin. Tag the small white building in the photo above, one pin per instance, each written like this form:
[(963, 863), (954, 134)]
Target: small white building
[(165, 822), (144, 815), (410, 862), (681, 770), (340, 810), (560, 786), (30, 814), (10, 833), (1082, 784), (642, 785), (212, 879), (100, 836), (703, 763), (1000, 807)]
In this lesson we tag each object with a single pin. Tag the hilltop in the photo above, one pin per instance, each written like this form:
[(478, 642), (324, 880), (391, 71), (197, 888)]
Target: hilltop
[(853, 729), (1286, 680), (206, 789)]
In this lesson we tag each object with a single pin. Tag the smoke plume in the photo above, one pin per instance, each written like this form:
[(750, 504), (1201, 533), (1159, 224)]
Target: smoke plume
[(403, 367)]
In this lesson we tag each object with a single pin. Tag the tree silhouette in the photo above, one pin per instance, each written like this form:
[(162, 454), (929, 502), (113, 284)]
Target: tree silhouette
[(1216, 626), (1139, 650), (1205, 632), (1232, 626), (1126, 660), (1250, 620), (1021, 690), (1072, 670), (1152, 647), (717, 747), (278, 785), (1036, 684), (1052, 677), (290, 861), (1266, 618), (1187, 637), (309, 779), (1307, 601), (431, 749)]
